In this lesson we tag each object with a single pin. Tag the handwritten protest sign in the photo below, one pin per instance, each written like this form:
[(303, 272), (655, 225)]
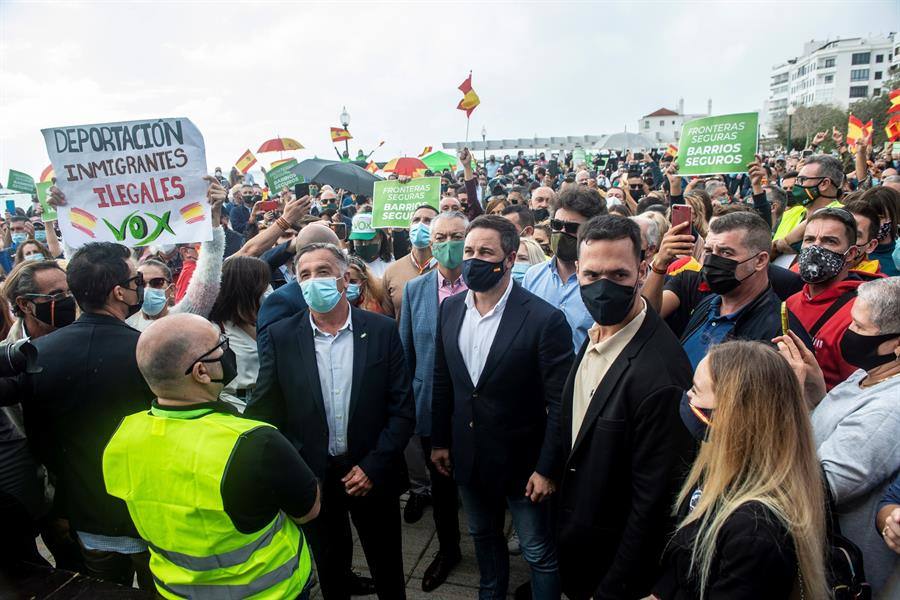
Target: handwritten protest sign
[(135, 182), (393, 202), (21, 182), (713, 145), (281, 176)]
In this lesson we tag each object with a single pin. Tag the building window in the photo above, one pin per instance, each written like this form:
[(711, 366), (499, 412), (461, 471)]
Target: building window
[(861, 58), (829, 62), (859, 75), (859, 91), (879, 58), (647, 124), (877, 74), (673, 122), (876, 92), (829, 79), (662, 122)]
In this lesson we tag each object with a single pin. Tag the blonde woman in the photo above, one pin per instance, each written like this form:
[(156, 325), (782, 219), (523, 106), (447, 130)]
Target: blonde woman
[(365, 290), (529, 254), (752, 509)]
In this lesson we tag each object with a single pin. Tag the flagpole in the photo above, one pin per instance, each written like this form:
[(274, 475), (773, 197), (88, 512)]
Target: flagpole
[(467, 129)]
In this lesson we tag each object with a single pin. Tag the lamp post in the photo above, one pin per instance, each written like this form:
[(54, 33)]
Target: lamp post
[(345, 122), (790, 114), (484, 145)]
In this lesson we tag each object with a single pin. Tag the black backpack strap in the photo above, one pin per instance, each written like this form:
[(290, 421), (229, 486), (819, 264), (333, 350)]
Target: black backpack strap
[(835, 306)]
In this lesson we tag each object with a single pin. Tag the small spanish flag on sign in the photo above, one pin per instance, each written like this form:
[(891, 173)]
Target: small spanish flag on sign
[(470, 98), (192, 213), (339, 135), (672, 150), (425, 150), (82, 220), (47, 174), (246, 161), (371, 167)]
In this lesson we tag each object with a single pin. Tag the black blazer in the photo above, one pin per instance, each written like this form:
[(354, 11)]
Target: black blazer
[(623, 472), (382, 414), (505, 427), (89, 383)]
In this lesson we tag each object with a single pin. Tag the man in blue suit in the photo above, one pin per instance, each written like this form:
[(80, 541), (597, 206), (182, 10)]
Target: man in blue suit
[(422, 298)]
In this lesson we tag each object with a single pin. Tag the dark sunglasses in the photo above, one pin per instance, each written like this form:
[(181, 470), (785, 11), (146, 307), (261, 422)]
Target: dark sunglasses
[(158, 282), (137, 279), (223, 344), (564, 226)]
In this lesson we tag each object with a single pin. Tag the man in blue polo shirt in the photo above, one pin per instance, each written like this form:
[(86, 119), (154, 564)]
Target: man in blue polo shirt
[(556, 280), (743, 304)]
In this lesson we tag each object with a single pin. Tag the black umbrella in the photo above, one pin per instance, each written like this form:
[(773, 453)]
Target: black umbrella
[(337, 174)]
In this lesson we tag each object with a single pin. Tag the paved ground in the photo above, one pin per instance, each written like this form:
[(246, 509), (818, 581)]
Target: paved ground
[(419, 546)]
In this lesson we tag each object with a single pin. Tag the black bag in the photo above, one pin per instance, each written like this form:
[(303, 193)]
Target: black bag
[(844, 560)]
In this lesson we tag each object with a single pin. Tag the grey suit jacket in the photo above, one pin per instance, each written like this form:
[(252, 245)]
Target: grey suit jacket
[(418, 326)]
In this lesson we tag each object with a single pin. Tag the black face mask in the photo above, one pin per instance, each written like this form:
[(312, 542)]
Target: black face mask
[(228, 360), (540, 214), (481, 275), (861, 350), (636, 193), (564, 246), (696, 419), (607, 301), (56, 313), (133, 308), (718, 273)]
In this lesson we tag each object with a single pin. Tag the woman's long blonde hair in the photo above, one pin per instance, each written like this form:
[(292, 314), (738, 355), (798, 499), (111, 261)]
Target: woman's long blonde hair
[(760, 448)]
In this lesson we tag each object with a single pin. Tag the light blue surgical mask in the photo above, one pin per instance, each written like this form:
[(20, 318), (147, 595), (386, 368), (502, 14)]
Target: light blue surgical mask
[(41, 236), (154, 301), (18, 237), (35, 256), (518, 271), (420, 235), (353, 292), (321, 293)]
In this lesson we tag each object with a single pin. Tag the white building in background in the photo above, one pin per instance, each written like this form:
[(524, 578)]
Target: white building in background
[(664, 125), (835, 72)]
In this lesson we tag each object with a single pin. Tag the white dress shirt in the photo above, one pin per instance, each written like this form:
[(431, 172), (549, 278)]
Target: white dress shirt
[(334, 359), (476, 336), (244, 346)]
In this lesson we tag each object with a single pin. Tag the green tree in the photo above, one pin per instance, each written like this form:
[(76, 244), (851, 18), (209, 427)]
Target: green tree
[(875, 109), (809, 120)]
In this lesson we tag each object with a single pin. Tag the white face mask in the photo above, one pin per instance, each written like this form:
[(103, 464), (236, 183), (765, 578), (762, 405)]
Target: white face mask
[(613, 201)]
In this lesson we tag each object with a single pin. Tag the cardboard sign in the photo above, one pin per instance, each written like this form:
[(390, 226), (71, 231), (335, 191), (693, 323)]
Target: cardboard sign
[(136, 182), (718, 145), (394, 203)]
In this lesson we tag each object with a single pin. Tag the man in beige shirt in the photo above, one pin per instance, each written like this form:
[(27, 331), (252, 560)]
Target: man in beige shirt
[(418, 262)]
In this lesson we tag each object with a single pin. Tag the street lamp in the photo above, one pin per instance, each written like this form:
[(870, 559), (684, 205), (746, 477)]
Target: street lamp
[(484, 144), (790, 113), (345, 122)]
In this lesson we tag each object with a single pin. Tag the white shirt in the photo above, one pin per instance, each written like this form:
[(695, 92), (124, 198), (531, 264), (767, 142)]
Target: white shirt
[(334, 359), (244, 347), (378, 267), (476, 336)]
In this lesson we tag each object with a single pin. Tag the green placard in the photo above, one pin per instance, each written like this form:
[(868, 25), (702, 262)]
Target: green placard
[(393, 202), (282, 176), (21, 182), (48, 213), (896, 147), (713, 145)]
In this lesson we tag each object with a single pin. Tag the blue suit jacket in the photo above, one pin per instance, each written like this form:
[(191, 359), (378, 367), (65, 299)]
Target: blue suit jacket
[(284, 302), (418, 326)]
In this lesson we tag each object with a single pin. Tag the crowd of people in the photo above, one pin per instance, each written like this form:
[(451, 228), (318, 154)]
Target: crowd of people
[(676, 387)]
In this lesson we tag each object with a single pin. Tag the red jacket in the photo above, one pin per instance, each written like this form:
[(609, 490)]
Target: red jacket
[(827, 341), (184, 278)]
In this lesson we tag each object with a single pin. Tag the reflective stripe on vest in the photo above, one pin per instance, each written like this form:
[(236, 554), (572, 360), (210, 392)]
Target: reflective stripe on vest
[(226, 559), (215, 592)]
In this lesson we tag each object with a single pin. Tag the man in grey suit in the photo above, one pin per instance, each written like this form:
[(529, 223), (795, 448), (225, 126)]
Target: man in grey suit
[(422, 297)]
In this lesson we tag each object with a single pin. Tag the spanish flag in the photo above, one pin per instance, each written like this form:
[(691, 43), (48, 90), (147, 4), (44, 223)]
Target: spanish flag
[(426, 150), (47, 174), (339, 135), (82, 220), (192, 213), (246, 161), (371, 167), (672, 150), (854, 130), (895, 102), (470, 98), (892, 129)]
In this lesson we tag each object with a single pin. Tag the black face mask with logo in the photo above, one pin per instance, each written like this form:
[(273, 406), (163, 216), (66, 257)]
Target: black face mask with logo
[(56, 313), (481, 275)]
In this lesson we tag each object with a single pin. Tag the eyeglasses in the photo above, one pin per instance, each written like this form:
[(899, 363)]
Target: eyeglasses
[(802, 180), (49, 297), (565, 226), (223, 344), (137, 279), (158, 282)]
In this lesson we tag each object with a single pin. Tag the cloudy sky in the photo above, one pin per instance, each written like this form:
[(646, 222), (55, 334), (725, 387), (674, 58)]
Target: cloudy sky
[(248, 71)]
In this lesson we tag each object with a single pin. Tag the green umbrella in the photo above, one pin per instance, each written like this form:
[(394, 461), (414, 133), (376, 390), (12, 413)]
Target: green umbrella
[(439, 160)]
